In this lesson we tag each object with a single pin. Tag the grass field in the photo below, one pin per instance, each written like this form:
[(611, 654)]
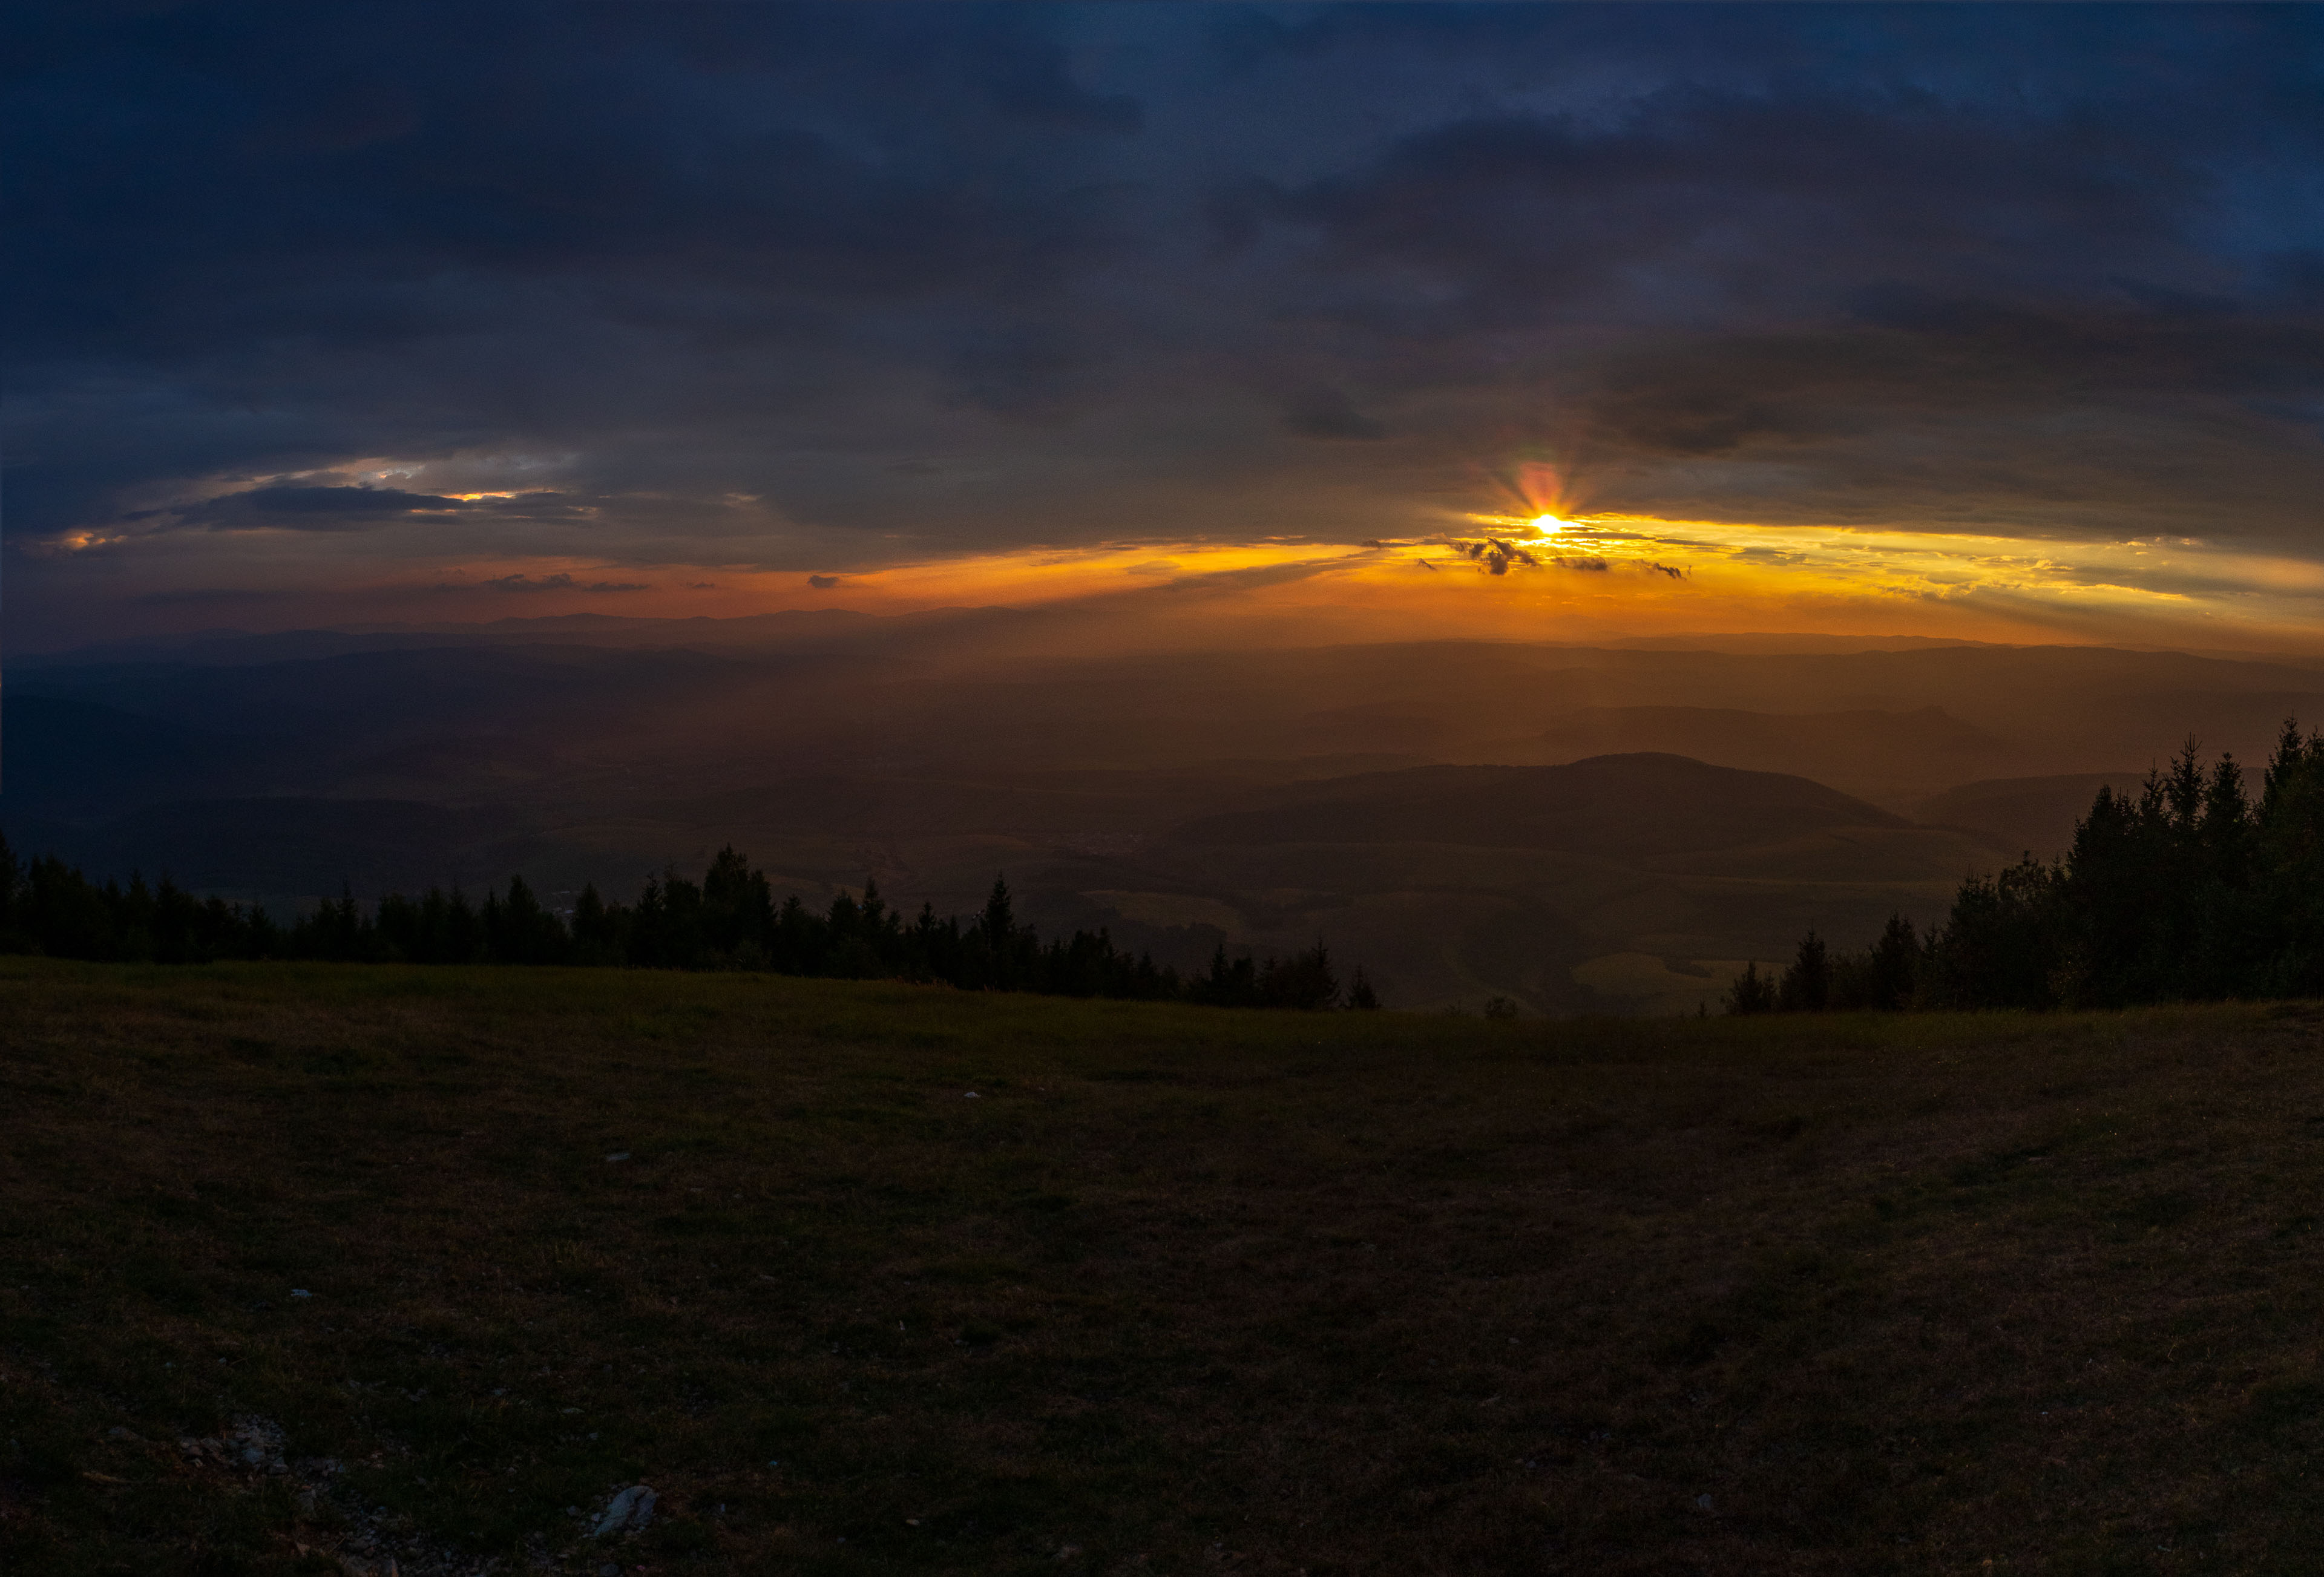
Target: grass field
[(1177, 1290)]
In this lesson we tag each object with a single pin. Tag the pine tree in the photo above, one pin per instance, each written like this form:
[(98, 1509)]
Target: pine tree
[(2000, 947), (1751, 992), (2289, 899), (529, 934), (1895, 963), (1806, 985), (597, 928), (49, 907), (12, 882), (999, 920), (1305, 981)]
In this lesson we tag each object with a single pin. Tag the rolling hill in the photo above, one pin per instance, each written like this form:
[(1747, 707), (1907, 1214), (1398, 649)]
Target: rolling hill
[(1184, 798), (1618, 804), (2033, 816), (1630, 883), (1878, 754)]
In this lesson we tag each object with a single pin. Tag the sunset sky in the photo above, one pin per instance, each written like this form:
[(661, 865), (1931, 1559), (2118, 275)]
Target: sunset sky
[(1532, 320)]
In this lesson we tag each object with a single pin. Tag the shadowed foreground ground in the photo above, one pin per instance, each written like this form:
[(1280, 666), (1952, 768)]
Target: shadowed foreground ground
[(1177, 1290)]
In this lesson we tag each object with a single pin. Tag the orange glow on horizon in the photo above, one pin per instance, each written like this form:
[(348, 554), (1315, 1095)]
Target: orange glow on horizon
[(1536, 562), (1540, 569), (1548, 576)]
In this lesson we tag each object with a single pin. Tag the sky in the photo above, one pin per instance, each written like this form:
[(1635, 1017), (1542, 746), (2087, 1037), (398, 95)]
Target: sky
[(1552, 320)]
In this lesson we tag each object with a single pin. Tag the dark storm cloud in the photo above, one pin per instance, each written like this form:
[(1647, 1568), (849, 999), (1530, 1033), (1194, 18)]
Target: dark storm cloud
[(1807, 267), (270, 239), (1327, 413), (755, 283)]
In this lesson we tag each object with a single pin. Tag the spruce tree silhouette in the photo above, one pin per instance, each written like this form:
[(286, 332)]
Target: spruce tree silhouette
[(1806, 986), (1751, 992), (1895, 963), (727, 921)]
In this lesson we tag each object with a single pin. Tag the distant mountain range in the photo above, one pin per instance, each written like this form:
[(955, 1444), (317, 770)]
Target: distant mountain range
[(1631, 805), (1470, 818)]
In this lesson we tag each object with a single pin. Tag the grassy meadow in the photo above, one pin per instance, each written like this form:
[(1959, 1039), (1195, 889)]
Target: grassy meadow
[(1173, 1290)]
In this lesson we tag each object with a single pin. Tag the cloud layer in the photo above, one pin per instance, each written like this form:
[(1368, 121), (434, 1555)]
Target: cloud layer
[(820, 289)]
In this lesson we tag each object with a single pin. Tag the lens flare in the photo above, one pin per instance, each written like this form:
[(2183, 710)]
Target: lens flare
[(1539, 489), (1535, 502)]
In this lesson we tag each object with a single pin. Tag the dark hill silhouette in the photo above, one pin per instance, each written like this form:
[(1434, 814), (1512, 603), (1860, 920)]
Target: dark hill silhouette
[(296, 844), (73, 759), (1883, 754), (936, 752), (375, 698), (1620, 805), (2023, 815)]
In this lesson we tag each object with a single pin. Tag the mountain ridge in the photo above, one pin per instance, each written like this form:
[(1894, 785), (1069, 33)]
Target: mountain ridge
[(1575, 806)]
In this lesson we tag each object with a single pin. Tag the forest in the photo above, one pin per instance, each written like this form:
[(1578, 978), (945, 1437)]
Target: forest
[(730, 920), (2190, 890)]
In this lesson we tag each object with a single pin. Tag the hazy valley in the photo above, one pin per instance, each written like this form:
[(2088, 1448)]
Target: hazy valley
[(1260, 796)]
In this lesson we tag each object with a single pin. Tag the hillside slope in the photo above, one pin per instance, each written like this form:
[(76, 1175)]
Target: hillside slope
[(2028, 815), (1638, 883), (1880, 755), (932, 752), (1636, 804), (865, 1279)]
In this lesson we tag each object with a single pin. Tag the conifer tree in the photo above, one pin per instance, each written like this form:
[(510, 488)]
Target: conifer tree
[(49, 907), (2289, 896), (1305, 981), (999, 919), (529, 934), (597, 928), (997, 930), (1895, 962), (1751, 992), (12, 882), (1806, 985)]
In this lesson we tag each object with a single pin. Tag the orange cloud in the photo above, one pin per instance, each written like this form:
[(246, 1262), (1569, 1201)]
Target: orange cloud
[(1503, 577)]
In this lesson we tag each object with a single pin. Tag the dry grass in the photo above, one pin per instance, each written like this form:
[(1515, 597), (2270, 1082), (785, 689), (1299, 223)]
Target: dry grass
[(1178, 1291)]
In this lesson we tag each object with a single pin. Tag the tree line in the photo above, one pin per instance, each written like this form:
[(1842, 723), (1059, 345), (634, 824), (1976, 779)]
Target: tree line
[(2191, 890), (729, 919)]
